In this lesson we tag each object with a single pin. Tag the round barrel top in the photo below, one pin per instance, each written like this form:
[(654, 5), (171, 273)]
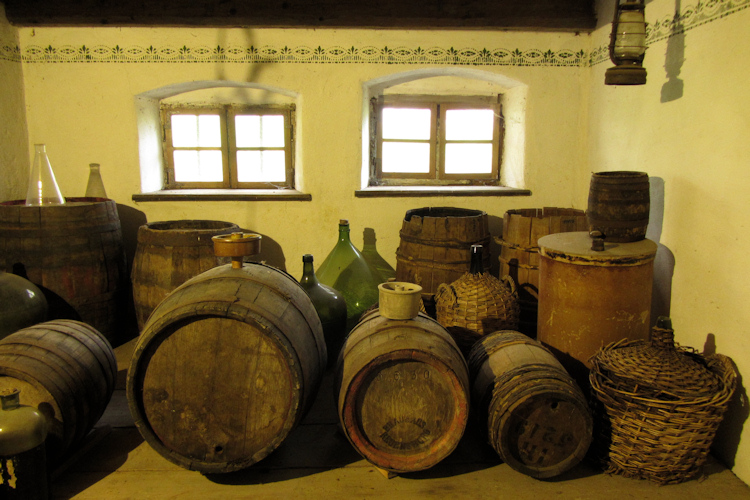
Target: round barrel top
[(575, 248)]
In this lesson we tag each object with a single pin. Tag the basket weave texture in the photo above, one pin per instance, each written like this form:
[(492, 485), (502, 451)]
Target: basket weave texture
[(477, 304), (664, 404)]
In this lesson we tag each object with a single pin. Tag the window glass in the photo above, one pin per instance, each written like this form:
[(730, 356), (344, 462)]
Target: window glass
[(189, 131), (406, 157), (466, 158), (198, 166), (261, 166), (255, 131), (406, 123), (469, 124)]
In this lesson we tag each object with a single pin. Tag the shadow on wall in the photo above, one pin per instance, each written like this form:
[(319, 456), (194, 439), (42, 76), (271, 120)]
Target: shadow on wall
[(661, 294), (728, 435), (271, 252), (674, 87)]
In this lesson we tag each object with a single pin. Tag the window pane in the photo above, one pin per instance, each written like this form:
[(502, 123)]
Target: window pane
[(190, 131), (406, 123), (407, 157), (468, 158), (469, 124), (255, 131), (261, 166), (198, 166)]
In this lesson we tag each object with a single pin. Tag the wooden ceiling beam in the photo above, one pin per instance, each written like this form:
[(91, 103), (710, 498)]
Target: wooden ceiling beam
[(533, 15)]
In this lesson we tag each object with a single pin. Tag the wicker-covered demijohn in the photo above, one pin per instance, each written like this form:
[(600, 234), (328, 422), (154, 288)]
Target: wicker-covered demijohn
[(663, 402), (475, 304)]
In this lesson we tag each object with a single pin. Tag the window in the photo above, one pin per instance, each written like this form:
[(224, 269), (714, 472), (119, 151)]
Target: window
[(228, 147), (435, 140)]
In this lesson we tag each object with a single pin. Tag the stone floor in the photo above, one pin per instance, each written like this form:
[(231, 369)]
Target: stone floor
[(316, 461)]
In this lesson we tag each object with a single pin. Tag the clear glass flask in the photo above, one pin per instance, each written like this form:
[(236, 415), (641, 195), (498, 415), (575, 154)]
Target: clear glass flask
[(43, 188)]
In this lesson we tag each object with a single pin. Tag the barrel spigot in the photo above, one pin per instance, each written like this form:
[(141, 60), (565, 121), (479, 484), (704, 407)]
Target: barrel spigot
[(236, 245)]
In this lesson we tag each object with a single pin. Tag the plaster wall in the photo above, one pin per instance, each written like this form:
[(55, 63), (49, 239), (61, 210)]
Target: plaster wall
[(689, 127), (14, 156)]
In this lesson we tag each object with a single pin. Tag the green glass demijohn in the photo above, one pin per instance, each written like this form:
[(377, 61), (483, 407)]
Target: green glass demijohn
[(23, 304), (330, 306), (348, 272), (23, 431)]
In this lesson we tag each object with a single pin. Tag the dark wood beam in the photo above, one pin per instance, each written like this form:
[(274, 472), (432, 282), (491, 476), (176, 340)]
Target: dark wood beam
[(535, 15)]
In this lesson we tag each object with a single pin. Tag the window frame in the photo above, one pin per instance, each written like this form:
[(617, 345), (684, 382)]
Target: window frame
[(436, 176), (228, 146)]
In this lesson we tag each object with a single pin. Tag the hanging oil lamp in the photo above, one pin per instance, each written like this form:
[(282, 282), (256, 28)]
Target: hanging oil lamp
[(627, 44)]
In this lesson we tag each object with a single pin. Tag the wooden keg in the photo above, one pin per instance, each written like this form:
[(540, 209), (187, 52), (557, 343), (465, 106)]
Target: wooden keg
[(519, 252), (435, 245), (537, 418), (589, 298), (168, 254), (67, 370), (619, 204), (402, 391), (75, 251), (226, 367)]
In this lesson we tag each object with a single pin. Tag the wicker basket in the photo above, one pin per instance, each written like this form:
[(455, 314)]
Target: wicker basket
[(477, 304), (664, 404)]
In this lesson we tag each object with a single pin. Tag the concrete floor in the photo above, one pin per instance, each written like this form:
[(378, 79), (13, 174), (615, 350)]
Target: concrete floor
[(316, 461)]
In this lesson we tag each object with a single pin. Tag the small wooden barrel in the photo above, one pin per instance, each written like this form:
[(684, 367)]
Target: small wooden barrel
[(435, 245), (67, 370), (402, 391), (168, 254), (519, 252), (537, 418), (619, 204), (226, 367), (75, 250)]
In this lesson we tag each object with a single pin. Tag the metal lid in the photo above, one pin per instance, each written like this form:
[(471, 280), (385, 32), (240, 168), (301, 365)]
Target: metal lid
[(575, 248)]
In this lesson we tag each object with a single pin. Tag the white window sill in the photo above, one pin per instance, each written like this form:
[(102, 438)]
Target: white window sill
[(422, 191), (224, 195)]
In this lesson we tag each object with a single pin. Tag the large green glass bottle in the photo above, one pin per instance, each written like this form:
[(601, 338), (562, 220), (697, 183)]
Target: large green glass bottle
[(330, 305), (348, 272)]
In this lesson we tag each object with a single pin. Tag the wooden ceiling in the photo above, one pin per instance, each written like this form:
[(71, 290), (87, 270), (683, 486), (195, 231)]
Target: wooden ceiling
[(532, 15)]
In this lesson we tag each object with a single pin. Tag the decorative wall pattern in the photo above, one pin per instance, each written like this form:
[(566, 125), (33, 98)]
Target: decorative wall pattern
[(689, 18)]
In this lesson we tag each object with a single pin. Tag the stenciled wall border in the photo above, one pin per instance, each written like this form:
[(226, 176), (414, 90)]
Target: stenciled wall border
[(691, 17)]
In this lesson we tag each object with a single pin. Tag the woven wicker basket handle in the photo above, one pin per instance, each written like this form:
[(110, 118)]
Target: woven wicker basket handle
[(511, 284), (447, 293)]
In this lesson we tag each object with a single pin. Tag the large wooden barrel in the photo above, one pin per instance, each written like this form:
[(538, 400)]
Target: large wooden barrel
[(519, 252), (619, 204), (402, 391), (435, 245), (168, 254), (67, 370), (75, 251), (226, 367), (537, 418)]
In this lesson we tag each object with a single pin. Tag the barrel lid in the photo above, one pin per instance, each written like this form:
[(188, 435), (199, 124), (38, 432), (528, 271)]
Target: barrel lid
[(575, 248)]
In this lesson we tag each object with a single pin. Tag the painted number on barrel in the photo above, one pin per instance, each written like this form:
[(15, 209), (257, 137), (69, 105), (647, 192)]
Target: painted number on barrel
[(406, 375), (536, 442)]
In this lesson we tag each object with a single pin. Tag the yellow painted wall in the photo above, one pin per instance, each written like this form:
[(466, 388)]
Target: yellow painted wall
[(14, 160), (698, 142)]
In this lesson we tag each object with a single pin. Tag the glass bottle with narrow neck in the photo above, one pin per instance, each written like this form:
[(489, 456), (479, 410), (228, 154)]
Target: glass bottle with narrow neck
[(95, 185), (42, 188), (345, 270), (330, 306)]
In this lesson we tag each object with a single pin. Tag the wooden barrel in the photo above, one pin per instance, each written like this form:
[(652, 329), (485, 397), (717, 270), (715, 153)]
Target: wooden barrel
[(519, 252), (74, 250), (619, 204), (225, 367), (67, 370), (402, 391), (537, 418), (168, 254), (435, 245)]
